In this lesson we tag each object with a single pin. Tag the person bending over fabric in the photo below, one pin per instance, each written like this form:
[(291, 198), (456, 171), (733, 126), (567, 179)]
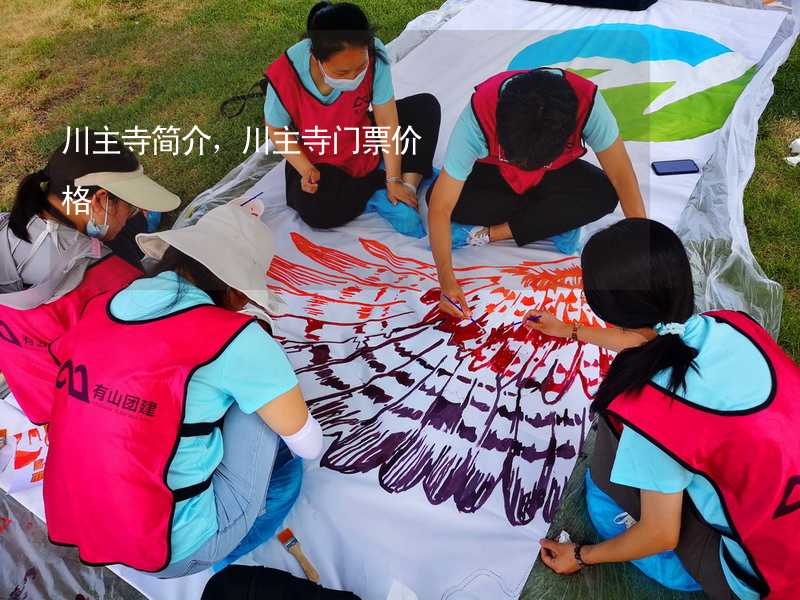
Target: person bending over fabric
[(703, 404), (52, 260), (170, 404), (513, 167), (328, 81)]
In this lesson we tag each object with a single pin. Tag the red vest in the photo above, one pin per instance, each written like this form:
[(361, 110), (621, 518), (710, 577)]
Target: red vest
[(751, 457), (26, 334), (484, 105), (345, 117), (117, 419)]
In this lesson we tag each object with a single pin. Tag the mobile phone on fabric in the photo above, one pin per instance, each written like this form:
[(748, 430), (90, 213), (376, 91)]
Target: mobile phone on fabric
[(675, 167)]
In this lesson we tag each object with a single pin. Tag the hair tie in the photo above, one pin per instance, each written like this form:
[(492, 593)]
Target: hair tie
[(670, 328)]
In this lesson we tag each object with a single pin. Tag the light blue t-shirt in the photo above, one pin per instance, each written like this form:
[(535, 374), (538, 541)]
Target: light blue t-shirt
[(640, 464), (252, 371), (467, 143), (300, 55)]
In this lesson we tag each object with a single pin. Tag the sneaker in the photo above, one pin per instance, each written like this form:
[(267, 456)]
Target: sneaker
[(468, 235), (478, 236)]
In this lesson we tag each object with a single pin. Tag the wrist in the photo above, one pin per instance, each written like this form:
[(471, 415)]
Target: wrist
[(447, 280), (577, 552), (586, 555)]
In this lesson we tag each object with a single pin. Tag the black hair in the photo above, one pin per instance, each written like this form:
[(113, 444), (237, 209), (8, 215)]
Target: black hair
[(536, 114), (194, 271), (636, 274), (335, 27), (66, 163)]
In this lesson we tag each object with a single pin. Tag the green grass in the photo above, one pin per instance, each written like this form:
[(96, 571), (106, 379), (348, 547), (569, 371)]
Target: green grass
[(772, 198), (127, 63)]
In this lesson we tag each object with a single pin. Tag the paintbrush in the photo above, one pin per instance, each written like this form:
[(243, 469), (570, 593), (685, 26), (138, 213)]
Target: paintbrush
[(292, 546), (457, 307), (534, 318)]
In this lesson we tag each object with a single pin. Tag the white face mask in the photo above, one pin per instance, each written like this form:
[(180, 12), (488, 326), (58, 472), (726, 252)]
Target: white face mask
[(95, 230), (343, 85)]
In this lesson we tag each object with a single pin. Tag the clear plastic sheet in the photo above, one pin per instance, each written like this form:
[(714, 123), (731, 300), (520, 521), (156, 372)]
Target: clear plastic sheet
[(31, 568), (726, 274)]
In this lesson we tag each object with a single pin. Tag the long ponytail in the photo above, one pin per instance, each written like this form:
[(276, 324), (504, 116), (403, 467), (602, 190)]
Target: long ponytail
[(636, 274), (633, 368), (30, 201)]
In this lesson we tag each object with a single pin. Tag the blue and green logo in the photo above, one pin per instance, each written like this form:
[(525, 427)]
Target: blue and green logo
[(661, 84)]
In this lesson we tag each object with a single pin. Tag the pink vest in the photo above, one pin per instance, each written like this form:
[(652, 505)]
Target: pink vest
[(751, 457), (26, 334), (117, 419), (346, 117), (484, 105)]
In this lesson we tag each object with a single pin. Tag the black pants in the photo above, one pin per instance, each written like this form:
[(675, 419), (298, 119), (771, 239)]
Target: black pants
[(565, 199), (340, 197), (698, 545)]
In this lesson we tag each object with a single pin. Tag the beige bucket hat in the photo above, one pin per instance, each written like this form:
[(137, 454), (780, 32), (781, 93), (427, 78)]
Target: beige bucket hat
[(232, 243)]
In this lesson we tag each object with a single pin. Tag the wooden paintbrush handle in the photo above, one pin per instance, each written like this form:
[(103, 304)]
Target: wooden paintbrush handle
[(308, 568)]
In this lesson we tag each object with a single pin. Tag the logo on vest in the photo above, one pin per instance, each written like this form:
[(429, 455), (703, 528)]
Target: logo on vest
[(124, 401), (76, 378), (786, 507), (7, 335)]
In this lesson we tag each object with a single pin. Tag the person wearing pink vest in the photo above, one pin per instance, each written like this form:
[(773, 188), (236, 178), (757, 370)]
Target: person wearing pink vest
[(697, 440), (171, 402), (53, 259), (513, 169), (330, 110)]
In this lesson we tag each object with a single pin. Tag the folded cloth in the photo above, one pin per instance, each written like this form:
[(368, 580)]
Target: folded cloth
[(402, 217), (282, 493), (238, 582)]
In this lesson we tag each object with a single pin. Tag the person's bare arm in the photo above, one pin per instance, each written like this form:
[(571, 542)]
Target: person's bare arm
[(617, 165), (285, 414), (612, 338), (386, 116), (444, 197), (657, 531), (296, 157)]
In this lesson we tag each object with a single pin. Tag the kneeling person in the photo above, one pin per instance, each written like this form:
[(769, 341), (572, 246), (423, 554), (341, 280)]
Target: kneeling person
[(513, 168), (170, 404)]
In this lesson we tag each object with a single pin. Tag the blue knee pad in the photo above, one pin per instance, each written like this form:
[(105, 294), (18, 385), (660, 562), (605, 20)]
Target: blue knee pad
[(402, 217), (282, 493), (567, 242), (666, 568)]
